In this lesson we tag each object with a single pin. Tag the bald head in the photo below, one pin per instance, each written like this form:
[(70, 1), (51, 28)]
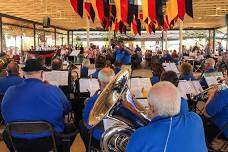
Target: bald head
[(164, 99), (13, 69)]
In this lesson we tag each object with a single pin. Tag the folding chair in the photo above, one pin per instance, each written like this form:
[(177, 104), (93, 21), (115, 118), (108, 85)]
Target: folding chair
[(223, 147), (32, 128)]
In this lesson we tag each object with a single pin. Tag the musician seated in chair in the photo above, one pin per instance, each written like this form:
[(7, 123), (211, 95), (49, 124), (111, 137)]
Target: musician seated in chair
[(11, 79), (57, 64), (186, 71), (100, 62), (104, 76), (168, 131), (172, 77), (216, 109), (209, 67), (33, 100)]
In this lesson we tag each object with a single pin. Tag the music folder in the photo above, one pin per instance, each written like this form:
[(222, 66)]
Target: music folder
[(213, 78), (58, 78), (189, 87), (170, 67)]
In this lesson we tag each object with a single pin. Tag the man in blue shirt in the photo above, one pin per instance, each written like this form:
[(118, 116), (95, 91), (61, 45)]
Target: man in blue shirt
[(123, 54), (216, 109), (11, 79), (104, 76), (33, 100), (168, 131), (209, 68)]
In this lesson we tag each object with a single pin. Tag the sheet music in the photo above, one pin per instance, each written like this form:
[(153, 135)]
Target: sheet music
[(59, 78), (212, 78), (90, 85), (144, 103), (91, 71), (140, 87), (189, 87), (170, 67), (197, 86), (75, 53)]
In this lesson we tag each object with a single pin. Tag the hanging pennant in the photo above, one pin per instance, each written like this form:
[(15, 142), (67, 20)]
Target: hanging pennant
[(171, 10), (122, 10), (189, 9), (77, 6), (181, 9), (89, 10)]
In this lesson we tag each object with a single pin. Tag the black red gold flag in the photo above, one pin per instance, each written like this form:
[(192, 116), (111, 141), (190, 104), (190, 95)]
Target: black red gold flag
[(112, 10), (89, 10), (159, 13), (132, 13), (171, 10), (77, 6), (189, 9), (138, 26), (121, 10), (181, 9), (152, 11)]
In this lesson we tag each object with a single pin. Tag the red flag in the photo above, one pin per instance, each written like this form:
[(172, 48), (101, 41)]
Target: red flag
[(89, 10), (181, 9), (152, 10), (77, 6)]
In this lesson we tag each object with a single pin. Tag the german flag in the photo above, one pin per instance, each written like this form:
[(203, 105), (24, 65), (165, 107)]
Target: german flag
[(77, 6), (171, 10), (112, 11), (188, 7), (132, 13), (134, 27), (102, 9), (152, 10), (122, 10), (181, 9), (145, 9), (159, 13), (89, 10)]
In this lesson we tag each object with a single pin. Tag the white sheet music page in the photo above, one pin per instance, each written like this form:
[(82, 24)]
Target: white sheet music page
[(75, 53), (59, 78), (94, 86), (90, 85), (174, 67), (197, 86), (185, 87), (140, 87), (91, 71)]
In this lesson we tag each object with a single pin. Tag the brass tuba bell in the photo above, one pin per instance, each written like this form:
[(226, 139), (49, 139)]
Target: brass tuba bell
[(117, 103)]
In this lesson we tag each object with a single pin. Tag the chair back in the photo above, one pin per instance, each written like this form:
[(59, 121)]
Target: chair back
[(30, 128)]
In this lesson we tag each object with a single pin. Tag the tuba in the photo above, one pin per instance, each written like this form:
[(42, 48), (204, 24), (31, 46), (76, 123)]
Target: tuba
[(117, 103)]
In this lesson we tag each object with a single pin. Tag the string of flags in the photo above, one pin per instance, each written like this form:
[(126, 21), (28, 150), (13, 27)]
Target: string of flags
[(118, 15)]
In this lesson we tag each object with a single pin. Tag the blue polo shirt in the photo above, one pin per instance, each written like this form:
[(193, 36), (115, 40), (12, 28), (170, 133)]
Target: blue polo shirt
[(187, 77), (154, 80), (184, 106), (97, 132), (186, 135), (122, 56), (95, 74), (33, 100), (84, 72), (6, 82), (217, 109)]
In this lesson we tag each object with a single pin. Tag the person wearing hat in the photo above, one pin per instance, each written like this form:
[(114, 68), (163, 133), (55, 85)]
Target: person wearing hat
[(34, 100)]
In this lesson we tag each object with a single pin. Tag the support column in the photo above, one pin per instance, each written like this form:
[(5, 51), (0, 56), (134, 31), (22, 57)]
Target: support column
[(15, 40), (209, 37), (166, 40), (21, 43), (162, 41), (55, 35), (68, 37), (34, 35), (109, 37), (1, 36), (72, 38), (213, 45), (87, 32), (180, 37)]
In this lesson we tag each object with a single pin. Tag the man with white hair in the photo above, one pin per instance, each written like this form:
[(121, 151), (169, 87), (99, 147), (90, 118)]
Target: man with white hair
[(168, 131), (105, 75), (209, 67)]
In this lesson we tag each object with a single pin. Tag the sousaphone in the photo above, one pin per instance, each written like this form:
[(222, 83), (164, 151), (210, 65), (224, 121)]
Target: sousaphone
[(118, 104)]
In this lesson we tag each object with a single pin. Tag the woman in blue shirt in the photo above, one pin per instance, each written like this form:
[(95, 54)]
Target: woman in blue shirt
[(186, 71), (157, 70)]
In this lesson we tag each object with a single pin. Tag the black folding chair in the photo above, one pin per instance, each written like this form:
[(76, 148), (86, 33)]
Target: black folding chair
[(223, 147), (32, 128)]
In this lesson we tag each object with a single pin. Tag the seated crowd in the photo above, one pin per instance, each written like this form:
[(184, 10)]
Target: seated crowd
[(172, 126)]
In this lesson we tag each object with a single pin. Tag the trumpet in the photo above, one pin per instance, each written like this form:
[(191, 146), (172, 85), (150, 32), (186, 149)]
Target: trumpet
[(204, 94)]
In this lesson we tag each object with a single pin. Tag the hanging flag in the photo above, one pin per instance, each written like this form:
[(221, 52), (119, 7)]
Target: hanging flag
[(122, 10), (159, 13), (77, 6), (134, 27), (132, 13), (188, 7), (112, 10), (152, 11), (89, 10), (171, 10), (145, 10), (181, 9), (138, 26)]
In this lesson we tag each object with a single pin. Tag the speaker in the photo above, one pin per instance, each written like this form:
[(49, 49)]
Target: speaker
[(226, 19), (46, 22)]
